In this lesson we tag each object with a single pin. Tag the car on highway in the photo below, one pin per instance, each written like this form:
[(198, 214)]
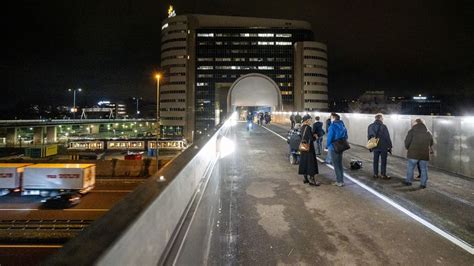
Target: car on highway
[(62, 201)]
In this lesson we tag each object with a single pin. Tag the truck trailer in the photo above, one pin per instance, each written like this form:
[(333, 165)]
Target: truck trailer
[(51, 179), (11, 177)]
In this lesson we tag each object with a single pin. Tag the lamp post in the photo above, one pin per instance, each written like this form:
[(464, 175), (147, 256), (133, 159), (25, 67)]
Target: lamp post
[(137, 99), (158, 129), (74, 109)]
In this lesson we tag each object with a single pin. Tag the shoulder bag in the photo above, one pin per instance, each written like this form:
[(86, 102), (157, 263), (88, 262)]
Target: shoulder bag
[(304, 145), (341, 145), (374, 141)]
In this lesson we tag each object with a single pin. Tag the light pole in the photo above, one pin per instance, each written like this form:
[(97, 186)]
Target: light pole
[(74, 109), (137, 99), (157, 76)]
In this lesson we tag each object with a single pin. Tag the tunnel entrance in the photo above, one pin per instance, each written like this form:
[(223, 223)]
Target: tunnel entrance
[(254, 92)]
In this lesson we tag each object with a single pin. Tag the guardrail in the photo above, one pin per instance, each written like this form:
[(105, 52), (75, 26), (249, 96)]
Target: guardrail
[(5, 123), (140, 229), (453, 136)]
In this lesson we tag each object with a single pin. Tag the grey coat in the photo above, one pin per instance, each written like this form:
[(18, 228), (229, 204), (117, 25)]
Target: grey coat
[(418, 143)]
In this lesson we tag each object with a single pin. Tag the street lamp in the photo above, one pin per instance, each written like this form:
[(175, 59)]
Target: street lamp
[(137, 99), (74, 109), (158, 130)]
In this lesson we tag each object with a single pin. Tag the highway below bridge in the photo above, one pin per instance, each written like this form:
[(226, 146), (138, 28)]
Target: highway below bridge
[(29, 233)]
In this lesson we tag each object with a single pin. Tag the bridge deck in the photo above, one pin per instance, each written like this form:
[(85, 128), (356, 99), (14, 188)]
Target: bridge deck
[(256, 211)]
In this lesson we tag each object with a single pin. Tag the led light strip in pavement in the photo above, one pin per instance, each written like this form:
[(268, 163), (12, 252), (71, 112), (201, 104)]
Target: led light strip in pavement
[(459, 242)]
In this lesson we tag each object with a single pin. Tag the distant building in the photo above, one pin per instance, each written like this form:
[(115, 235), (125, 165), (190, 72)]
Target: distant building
[(105, 110), (422, 105), (374, 102), (204, 56)]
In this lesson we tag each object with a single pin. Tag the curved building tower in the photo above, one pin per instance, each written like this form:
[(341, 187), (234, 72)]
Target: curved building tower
[(202, 56)]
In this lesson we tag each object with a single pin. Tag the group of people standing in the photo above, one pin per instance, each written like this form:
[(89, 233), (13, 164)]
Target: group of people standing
[(313, 135), (418, 142)]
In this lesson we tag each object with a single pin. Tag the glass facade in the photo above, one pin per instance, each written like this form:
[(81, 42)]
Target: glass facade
[(224, 55)]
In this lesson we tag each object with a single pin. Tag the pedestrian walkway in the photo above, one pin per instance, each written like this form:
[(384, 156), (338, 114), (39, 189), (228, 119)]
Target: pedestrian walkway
[(448, 202), (257, 211)]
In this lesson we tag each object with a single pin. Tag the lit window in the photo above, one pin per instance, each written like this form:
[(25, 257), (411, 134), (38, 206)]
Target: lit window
[(266, 67), (283, 43), (266, 43), (284, 35), (205, 35), (164, 26), (205, 59), (223, 59), (205, 67), (266, 35), (202, 84)]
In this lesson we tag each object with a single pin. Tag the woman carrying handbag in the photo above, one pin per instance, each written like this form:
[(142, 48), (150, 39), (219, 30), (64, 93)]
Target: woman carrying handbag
[(308, 166)]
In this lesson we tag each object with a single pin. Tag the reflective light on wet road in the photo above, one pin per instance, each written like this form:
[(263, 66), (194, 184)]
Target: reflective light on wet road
[(226, 147)]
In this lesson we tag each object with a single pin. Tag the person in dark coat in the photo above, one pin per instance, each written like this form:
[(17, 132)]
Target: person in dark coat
[(378, 130), (308, 166), (292, 121), (318, 133), (328, 160), (298, 118), (418, 142)]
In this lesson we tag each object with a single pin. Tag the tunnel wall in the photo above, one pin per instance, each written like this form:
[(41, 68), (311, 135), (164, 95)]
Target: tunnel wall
[(453, 136)]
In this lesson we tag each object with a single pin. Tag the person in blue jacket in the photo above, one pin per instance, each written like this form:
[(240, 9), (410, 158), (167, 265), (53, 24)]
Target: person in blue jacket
[(336, 131)]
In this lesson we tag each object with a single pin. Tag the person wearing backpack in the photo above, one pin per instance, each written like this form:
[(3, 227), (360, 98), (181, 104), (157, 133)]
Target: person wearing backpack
[(318, 133), (377, 132)]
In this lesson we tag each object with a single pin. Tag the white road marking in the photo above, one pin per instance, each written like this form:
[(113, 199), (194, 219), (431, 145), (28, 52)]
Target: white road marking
[(453, 239)]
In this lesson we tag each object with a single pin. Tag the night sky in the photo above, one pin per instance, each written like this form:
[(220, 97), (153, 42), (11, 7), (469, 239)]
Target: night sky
[(111, 48)]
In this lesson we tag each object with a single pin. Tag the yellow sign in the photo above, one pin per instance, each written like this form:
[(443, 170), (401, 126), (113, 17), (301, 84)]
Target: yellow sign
[(171, 12)]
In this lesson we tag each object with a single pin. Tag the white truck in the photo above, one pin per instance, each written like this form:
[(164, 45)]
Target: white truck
[(11, 177), (51, 179)]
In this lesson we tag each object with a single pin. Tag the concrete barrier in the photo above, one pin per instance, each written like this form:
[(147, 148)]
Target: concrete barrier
[(141, 227), (453, 136)]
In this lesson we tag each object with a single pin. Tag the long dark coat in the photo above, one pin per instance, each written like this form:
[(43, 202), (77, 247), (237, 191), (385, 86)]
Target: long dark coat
[(308, 163)]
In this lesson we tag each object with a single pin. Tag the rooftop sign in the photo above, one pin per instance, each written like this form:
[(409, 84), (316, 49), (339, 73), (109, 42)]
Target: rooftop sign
[(171, 12)]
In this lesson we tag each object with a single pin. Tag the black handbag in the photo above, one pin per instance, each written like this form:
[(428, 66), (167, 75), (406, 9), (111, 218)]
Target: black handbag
[(341, 145)]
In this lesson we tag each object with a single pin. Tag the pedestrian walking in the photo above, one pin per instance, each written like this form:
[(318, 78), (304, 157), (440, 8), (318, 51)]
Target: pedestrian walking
[(298, 118), (249, 120), (308, 166), (318, 133), (328, 160), (419, 143), (336, 132), (261, 118), (378, 133), (292, 121)]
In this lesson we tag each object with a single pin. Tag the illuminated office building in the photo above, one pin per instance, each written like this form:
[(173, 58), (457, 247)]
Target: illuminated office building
[(202, 56)]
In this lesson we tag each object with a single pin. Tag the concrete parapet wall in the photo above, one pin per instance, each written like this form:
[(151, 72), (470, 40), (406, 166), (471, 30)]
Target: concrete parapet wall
[(453, 136), (139, 229)]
